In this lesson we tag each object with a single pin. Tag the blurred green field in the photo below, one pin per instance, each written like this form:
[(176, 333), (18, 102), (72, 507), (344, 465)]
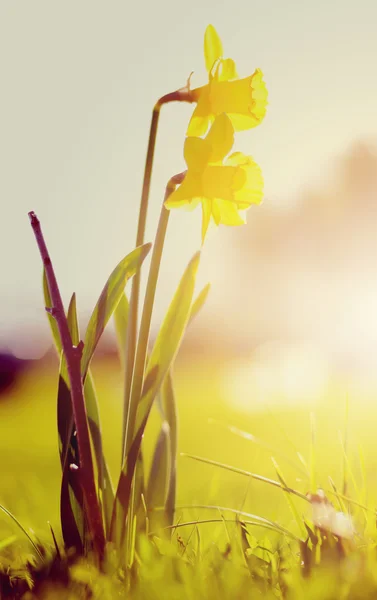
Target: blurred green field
[(30, 469)]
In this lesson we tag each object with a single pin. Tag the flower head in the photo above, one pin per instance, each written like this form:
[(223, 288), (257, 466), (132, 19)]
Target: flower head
[(326, 518), (223, 188), (243, 100)]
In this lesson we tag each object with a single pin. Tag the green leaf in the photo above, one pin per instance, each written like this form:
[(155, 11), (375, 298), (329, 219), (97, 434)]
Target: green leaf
[(170, 411), (121, 314), (162, 356), (105, 486), (108, 301), (159, 478), (24, 531), (199, 302)]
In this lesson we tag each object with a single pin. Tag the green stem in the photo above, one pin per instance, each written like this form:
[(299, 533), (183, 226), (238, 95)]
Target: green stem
[(182, 95), (145, 325), (142, 348)]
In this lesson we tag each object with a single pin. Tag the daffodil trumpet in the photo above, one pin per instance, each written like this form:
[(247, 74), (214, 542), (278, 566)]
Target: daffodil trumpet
[(243, 100)]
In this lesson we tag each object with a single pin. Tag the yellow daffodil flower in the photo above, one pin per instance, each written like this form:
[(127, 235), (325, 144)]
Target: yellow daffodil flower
[(223, 188), (243, 100)]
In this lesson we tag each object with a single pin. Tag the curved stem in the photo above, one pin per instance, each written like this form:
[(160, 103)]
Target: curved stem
[(182, 95)]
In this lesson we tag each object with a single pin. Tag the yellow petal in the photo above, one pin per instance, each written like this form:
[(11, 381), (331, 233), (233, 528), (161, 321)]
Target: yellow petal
[(200, 119), (227, 70), (220, 138), (187, 192), (196, 153), (226, 213), (213, 48), (207, 211)]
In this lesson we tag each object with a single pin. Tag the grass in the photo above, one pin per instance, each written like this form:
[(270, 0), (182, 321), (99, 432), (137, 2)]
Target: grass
[(219, 546)]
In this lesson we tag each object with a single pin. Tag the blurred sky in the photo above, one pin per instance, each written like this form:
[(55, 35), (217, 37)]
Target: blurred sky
[(78, 83)]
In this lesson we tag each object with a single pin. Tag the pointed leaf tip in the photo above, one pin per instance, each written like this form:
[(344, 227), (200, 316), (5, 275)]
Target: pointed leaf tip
[(213, 48), (108, 301)]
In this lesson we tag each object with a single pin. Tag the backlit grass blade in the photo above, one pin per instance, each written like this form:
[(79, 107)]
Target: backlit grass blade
[(24, 531), (248, 519), (342, 506), (206, 521), (162, 356), (313, 467), (159, 476), (108, 301), (255, 476), (259, 442), (6, 542), (240, 513), (291, 504)]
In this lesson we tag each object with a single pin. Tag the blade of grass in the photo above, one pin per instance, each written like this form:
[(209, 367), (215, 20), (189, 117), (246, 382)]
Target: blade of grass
[(255, 476), (240, 513), (8, 541), (363, 474), (22, 528), (313, 471), (290, 500), (345, 449), (257, 523), (342, 506), (255, 440)]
